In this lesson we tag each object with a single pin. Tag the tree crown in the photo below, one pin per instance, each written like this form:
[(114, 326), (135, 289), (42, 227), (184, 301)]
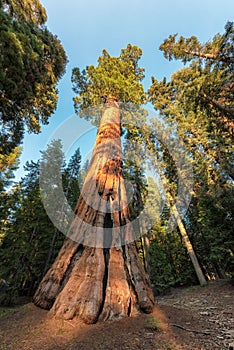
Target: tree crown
[(32, 61), (114, 78), (25, 10)]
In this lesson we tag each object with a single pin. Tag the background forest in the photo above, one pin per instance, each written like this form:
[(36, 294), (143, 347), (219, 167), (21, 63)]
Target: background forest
[(198, 99)]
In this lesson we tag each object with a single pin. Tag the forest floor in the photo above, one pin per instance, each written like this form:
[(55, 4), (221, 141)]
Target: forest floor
[(186, 318)]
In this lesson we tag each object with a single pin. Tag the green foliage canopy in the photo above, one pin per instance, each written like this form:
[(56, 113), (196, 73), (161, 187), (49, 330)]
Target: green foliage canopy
[(199, 100), (32, 60), (29, 242), (115, 78), (210, 76)]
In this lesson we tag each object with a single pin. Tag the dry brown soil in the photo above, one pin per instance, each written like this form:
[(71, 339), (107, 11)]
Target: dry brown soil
[(186, 318)]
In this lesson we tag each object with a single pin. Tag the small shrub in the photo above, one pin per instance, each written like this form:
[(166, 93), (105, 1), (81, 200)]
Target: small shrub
[(153, 323)]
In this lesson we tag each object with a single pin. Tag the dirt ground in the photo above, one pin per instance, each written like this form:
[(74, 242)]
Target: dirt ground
[(186, 318)]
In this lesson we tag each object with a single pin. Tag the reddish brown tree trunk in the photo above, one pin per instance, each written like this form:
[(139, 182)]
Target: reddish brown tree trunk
[(98, 274)]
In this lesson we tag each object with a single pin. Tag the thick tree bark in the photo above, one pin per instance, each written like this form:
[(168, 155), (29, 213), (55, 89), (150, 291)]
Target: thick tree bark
[(98, 274)]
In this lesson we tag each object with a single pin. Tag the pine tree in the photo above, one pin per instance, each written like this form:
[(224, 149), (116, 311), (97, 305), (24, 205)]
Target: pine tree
[(72, 179), (23, 242), (199, 99), (8, 164), (30, 241)]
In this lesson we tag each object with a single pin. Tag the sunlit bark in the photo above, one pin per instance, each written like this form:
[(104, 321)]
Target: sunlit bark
[(100, 277)]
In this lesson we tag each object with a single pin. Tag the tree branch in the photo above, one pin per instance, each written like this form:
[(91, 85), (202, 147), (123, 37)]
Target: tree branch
[(210, 56), (199, 54), (221, 107), (189, 330)]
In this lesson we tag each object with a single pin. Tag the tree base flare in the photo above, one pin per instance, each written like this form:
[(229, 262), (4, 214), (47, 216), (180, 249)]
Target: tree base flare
[(95, 284)]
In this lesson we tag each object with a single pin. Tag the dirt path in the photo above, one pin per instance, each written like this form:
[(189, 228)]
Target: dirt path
[(207, 311)]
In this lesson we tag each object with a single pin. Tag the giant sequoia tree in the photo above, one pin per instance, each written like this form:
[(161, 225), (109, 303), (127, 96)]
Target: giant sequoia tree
[(97, 274), (32, 60)]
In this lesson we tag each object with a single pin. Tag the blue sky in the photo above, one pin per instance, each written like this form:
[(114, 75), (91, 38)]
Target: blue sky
[(85, 27)]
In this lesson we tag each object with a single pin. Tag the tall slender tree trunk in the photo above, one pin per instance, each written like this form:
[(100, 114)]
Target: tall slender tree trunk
[(146, 246), (98, 274), (188, 244)]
